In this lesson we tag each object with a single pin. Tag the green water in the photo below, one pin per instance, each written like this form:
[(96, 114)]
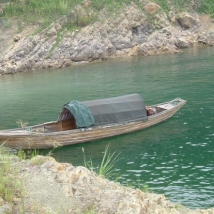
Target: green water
[(175, 158)]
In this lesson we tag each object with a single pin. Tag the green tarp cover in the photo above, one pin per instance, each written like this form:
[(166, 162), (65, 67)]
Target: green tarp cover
[(81, 113), (117, 109)]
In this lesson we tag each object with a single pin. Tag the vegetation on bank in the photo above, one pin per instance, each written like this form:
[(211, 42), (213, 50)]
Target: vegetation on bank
[(10, 186), (106, 167), (45, 12)]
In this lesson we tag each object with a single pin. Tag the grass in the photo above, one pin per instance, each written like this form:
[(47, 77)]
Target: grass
[(200, 6), (21, 124), (146, 188), (28, 154), (10, 185), (107, 164), (89, 210), (48, 11), (106, 167), (176, 206), (207, 7)]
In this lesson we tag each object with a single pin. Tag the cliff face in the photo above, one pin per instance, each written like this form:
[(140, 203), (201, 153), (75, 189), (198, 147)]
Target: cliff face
[(135, 30)]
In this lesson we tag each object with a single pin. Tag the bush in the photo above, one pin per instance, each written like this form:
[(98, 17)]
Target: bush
[(206, 6)]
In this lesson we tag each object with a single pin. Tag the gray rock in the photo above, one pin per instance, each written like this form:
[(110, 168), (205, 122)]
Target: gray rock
[(187, 20), (73, 16), (182, 43), (6, 208), (211, 35), (52, 32), (151, 8), (17, 38), (63, 21), (20, 54), (203, 39)]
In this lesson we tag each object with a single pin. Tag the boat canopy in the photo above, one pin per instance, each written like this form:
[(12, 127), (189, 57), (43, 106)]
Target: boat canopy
[(105, 111)]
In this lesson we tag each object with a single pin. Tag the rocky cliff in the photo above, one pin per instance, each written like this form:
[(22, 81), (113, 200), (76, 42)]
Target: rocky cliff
[(143, 29)]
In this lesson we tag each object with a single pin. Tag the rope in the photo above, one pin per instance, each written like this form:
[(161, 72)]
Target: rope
[(189, 108)]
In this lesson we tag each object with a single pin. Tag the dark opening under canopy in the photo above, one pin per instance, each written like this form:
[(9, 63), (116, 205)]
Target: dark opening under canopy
[(105, 111)]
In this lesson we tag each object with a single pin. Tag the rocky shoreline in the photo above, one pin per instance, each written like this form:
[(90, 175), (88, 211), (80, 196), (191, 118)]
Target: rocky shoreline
[(143, 29), (60, 188)]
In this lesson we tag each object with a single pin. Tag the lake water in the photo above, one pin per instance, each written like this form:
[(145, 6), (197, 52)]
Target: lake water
[(174, 158)]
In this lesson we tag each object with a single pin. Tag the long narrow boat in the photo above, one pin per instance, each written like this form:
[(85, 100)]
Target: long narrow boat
[(91, 120)]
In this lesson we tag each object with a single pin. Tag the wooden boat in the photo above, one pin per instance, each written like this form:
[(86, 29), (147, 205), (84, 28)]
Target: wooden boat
[(91, 120)]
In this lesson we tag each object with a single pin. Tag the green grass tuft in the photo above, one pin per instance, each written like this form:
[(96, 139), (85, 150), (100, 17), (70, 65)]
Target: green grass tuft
[(107, 164)]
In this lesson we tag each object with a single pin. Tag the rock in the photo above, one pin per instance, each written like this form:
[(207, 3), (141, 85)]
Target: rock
[(57, 27), (81, 13), (42, 160), (161, 20), (151, 8), (17, 38), (52, 32), (203, 39), (1, 10), (20, 54), (182, 43), (63, 21), (73, 16), (87, 3), (6, 208), (211, 35), (187, 20)]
